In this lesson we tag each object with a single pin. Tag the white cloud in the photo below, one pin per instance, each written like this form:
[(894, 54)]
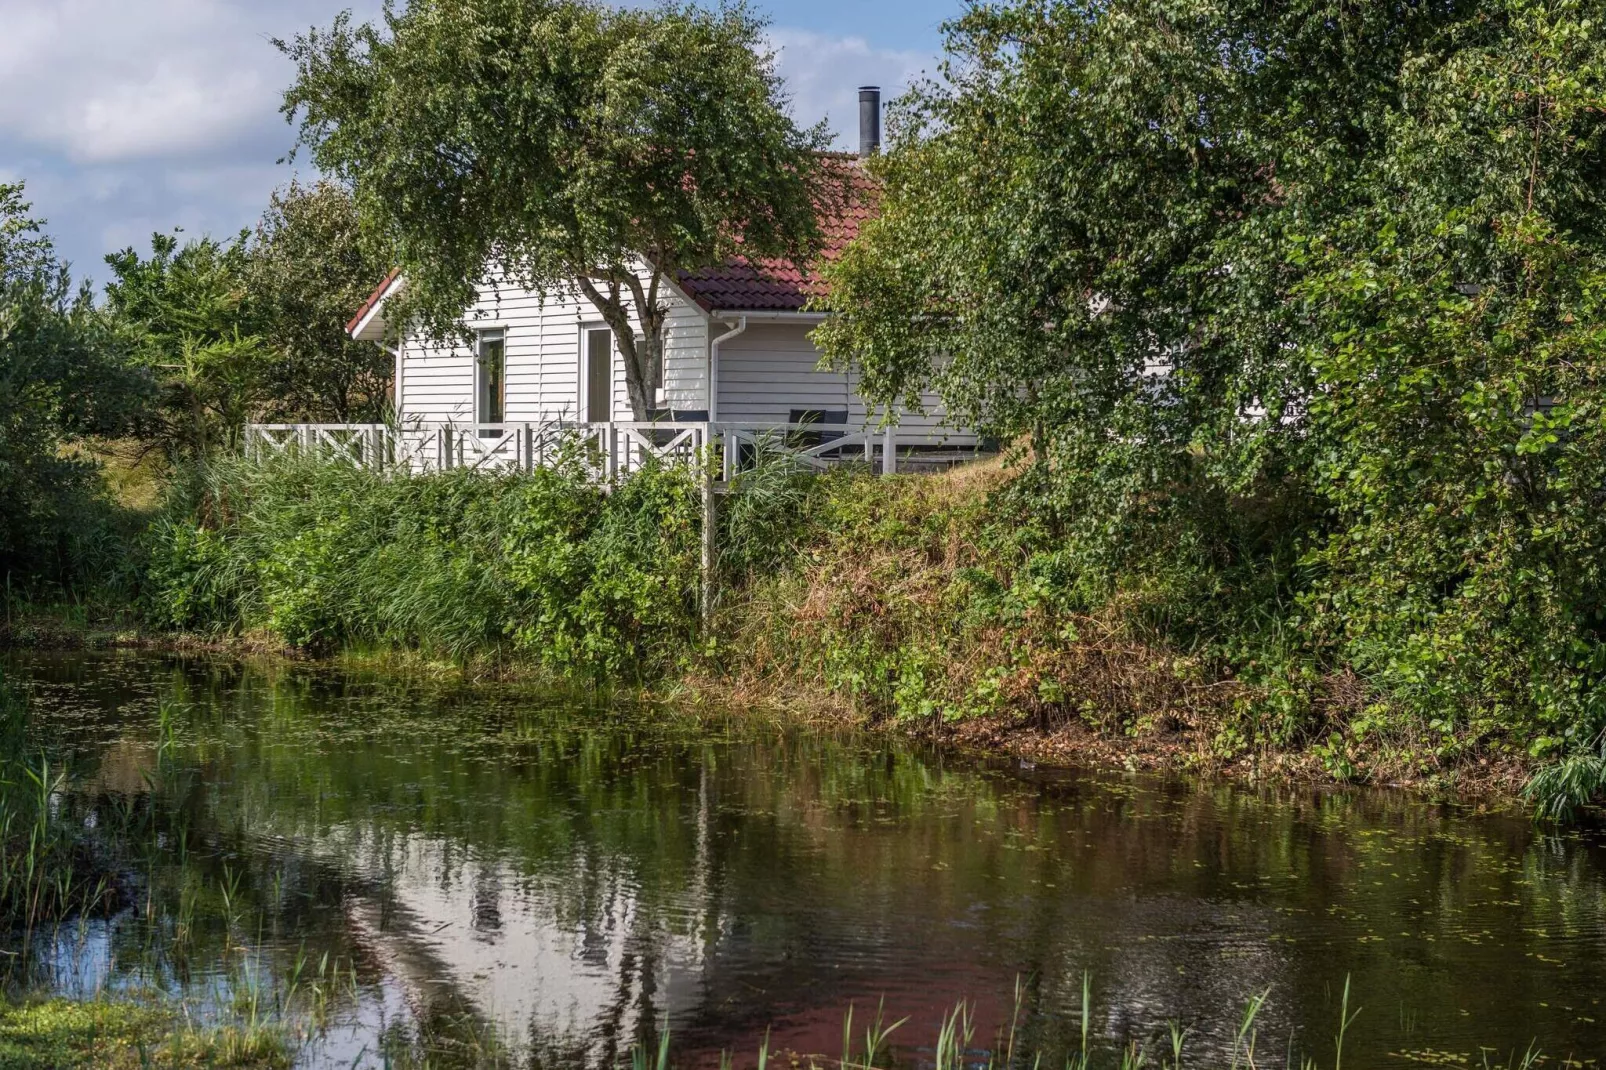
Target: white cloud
[(110, 80), (824, 74), (131, 116), (172, 111)]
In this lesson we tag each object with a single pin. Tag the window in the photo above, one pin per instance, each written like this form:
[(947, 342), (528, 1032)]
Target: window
[(491, 401), (598, 400)]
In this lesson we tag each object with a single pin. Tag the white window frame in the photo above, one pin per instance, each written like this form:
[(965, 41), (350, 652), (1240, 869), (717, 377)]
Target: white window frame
[(480, 336), (583, 377)]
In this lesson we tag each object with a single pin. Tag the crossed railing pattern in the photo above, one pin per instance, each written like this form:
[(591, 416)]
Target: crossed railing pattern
[(606, 450)]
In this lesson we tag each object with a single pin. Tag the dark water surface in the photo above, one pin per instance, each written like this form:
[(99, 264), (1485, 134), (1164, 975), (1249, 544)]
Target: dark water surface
[(481, 863)]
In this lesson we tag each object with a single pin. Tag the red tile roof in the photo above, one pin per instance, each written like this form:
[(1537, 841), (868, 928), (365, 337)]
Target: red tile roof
[(775, 285), (373, 299)]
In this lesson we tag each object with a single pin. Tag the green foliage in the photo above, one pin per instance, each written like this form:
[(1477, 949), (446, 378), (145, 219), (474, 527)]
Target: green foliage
[(253, 328), (1299, 308), (560, 141), (764, 518), (64, 379), (319, 554), (1457, 337), (308, 270), (186, 314)]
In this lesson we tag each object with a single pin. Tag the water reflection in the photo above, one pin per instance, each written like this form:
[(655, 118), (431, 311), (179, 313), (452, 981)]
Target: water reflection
[(482, 861)]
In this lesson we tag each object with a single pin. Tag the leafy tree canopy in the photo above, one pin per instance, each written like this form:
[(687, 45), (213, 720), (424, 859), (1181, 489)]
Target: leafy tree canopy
[(64, 379), (562, 142), (308, 269), (253, 328), (186, 312), (1301, 306)]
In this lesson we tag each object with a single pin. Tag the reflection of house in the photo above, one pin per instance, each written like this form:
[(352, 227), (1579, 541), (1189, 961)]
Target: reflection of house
[(737, 353), (478, 934)]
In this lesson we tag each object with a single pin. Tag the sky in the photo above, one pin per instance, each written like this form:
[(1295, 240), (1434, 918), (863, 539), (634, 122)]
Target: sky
[(126, 117)]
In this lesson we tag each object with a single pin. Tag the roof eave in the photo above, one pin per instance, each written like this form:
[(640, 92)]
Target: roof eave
[(370, 325)]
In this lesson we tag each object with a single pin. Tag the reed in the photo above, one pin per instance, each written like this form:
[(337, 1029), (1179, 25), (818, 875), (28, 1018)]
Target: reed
[(48, 872), (953, 1046)]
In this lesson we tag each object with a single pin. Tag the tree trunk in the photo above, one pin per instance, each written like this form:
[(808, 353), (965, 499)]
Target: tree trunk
[(642, 357)]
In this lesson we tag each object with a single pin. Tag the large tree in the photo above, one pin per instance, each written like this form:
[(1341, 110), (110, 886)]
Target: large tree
[(1301, 304), (308, 268), (557, 144), (187, 315), (64, 379)]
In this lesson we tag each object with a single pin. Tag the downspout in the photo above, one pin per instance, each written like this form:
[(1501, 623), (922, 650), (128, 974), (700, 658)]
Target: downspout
[(396, 400), (713, 366)]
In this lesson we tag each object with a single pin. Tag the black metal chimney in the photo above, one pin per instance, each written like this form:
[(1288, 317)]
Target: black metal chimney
[(869, 120)]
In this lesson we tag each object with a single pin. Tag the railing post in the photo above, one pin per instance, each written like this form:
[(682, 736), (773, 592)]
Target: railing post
[(728, 454), (710, 529), (889, 452)]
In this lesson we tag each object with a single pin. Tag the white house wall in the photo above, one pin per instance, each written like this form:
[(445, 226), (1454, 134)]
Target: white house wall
[(770, 369), (543, 343), (764, 373)]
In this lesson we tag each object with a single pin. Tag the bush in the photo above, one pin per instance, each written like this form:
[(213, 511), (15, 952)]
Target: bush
[(64, 379), (318, 554)]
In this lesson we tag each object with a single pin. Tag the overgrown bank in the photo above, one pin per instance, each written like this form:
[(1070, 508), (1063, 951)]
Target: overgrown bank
[(956, 601)]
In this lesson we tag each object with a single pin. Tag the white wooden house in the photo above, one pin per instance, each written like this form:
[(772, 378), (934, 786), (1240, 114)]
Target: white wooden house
[(738, 362)]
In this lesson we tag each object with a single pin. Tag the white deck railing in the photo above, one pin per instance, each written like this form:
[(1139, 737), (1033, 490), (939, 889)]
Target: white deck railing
[(607, 450)]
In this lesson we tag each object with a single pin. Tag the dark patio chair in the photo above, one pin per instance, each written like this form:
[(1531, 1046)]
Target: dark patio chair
[(824, 417)]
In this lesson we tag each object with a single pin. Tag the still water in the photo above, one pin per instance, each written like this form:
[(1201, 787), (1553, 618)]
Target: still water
[(484, 862)]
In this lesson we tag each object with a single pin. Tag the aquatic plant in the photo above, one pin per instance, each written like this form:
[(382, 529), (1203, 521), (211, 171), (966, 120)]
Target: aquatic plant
[(47, 872), (104, 1034), (1559, 789)]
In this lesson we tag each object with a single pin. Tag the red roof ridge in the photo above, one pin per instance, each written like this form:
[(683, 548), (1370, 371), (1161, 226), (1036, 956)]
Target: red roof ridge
[(773, 284)]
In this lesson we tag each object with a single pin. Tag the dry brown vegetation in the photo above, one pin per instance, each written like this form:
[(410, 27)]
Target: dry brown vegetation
[(905, 607)]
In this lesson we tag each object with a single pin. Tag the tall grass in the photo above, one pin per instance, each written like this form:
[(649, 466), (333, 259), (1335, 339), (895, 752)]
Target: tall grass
[(317, 554), (956, 1045), (47, 870)]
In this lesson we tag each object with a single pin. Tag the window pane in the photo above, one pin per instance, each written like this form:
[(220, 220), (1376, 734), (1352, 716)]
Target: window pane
[(599, 376), (493, 378)]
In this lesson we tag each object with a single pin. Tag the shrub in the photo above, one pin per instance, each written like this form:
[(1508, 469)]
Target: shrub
[(317, 554)]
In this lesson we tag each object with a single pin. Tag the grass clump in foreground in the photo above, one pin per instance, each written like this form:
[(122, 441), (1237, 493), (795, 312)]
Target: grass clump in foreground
[(59, 1034), (49, 871)]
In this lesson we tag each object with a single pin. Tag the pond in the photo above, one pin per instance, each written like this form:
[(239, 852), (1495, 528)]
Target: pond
[(477, 868)]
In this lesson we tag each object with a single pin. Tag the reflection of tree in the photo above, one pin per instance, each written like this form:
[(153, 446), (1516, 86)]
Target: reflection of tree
[(623, 869)]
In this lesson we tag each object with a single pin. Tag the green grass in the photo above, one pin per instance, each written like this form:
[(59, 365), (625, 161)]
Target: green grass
[(61, 1034)]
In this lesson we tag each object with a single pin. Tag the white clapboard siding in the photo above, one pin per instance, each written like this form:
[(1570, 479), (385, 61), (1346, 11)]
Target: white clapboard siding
[(765, 372), (685, 357), (543, 344), (771, 369)]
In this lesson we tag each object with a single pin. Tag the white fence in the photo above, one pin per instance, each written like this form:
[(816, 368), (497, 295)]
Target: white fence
[(606, 450)]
